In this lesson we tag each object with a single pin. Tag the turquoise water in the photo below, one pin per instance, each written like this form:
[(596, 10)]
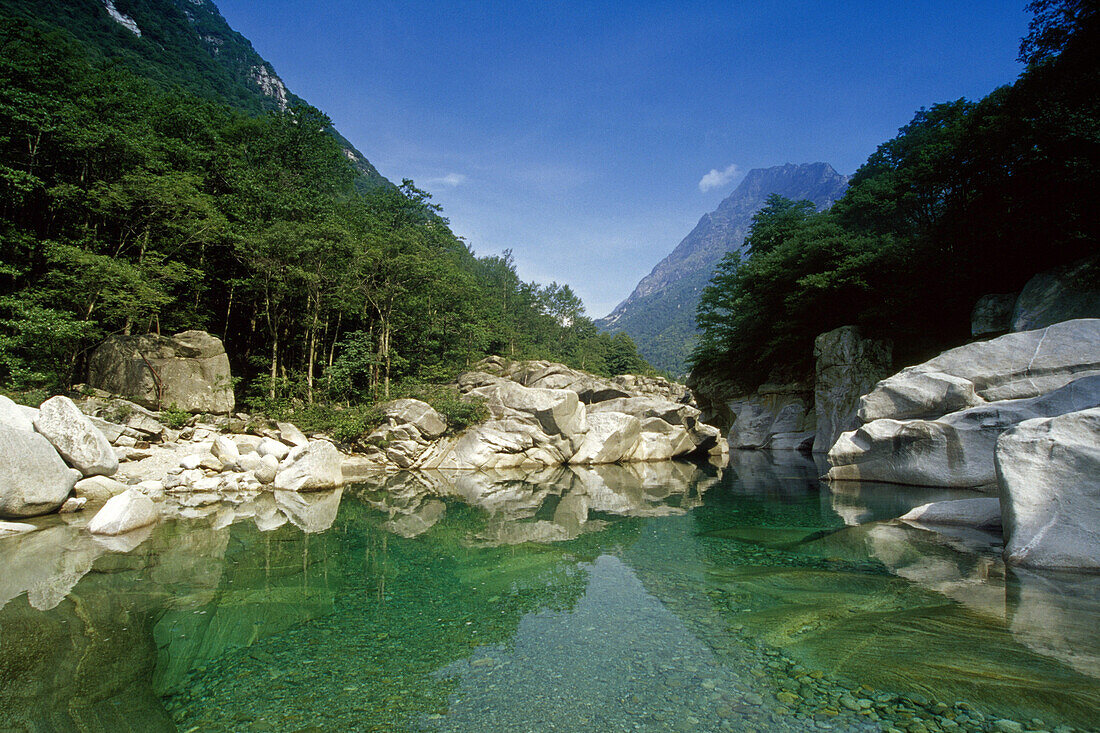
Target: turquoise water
[(666, 597)]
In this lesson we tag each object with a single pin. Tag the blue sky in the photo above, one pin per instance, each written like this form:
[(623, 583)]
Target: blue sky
[(589, 137)]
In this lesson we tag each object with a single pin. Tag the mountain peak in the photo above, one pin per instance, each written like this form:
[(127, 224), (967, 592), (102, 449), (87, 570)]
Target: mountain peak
[(660, 314)]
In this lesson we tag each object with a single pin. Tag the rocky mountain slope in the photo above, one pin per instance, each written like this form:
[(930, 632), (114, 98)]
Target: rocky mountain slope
[(177, 43), (660, 314)]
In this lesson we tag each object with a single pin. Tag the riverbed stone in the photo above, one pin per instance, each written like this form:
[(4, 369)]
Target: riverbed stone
[(1013, 366), (272, 447), (417, 413), (556, 411), (291, 435), (128, 511), (1063, 293), (226, 451), (33, 477), (311, 467), (611, 437), (1049, 476), (78, 441), (98, 489)]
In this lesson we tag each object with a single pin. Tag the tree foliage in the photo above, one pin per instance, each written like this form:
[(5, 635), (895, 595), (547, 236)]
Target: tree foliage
[(969, 198), (127, 208)]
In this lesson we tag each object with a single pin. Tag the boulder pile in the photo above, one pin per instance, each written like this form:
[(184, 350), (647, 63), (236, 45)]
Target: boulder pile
[(118, 458), (544, 414)]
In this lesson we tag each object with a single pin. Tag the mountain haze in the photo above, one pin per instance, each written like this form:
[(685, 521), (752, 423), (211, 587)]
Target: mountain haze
[(660, 314), (184, 44)]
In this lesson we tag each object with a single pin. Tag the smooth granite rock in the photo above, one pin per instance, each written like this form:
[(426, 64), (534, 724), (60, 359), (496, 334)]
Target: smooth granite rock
[(1013, 366), (1048, 470), (311, 467), (13, 415), (847, 367), (128, 511), (992, 314), (611, 437), (982, 512), (74, 436), (956, 450), (1061, 294), (33, 477)]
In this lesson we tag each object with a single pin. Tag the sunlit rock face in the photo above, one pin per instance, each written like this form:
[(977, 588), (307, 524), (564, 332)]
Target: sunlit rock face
[(33, 477), (937, 424), (1049, 475)]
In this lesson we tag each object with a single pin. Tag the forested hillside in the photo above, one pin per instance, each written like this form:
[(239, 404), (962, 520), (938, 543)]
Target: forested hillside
[(181, 45), (131, 205), (970, 198)]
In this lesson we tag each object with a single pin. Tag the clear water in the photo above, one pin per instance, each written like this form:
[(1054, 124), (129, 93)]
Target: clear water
[(666, 597)]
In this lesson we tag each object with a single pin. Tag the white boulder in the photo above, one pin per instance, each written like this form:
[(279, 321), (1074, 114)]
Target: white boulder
[(611, 437), (983, 512), (957, 450), (33, 478), (128, 511), (311, 467), (75, 437), (13, 416)]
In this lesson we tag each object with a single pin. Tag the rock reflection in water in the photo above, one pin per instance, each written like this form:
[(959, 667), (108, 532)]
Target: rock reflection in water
[(545, 505), (1053, 615)]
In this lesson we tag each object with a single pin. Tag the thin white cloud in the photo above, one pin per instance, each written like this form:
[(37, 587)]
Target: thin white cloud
[(718, 178), (451, 180)]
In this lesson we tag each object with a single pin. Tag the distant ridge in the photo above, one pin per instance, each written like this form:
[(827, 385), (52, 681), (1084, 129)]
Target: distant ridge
[(660, 314)]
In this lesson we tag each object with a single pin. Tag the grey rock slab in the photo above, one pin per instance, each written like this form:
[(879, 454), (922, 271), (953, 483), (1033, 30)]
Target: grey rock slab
[(1048, 470), (128, 511), (189, 370), (74, 436), (1061, 294), (272, 447), (611, 437), (419, 414), (291, 435), (33, 477), (992, 314), (1013, 366), (9, 529), (847, 366), (557, 411), (98, 489), (956, 450), (226, 451)]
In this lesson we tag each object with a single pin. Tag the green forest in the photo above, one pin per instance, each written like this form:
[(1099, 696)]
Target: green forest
[(132, 205), (969, 198)]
